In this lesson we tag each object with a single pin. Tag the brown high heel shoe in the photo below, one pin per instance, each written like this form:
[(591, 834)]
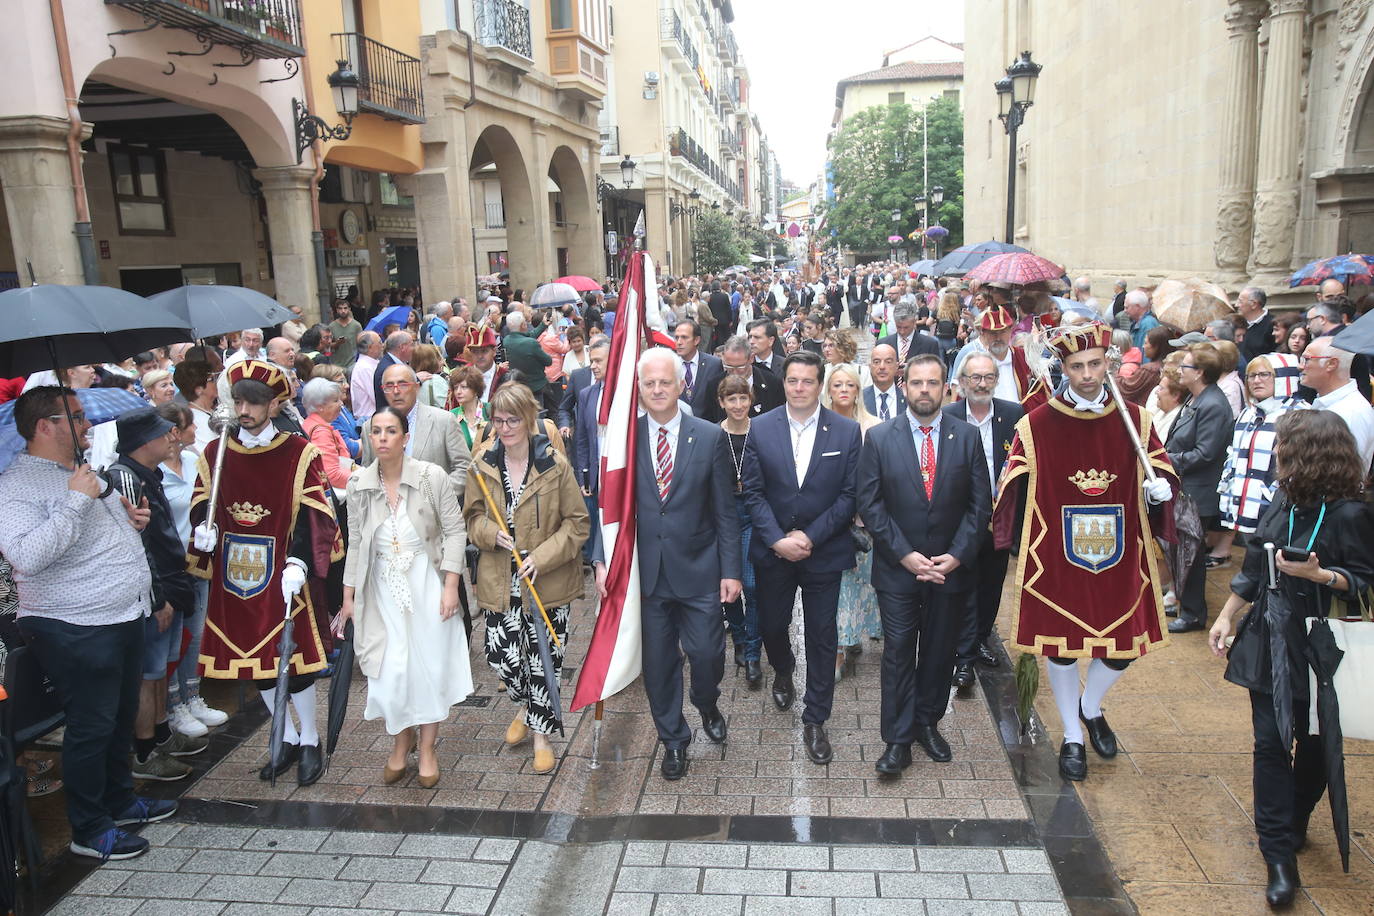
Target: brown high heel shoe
[(423, 781), (392, 776)]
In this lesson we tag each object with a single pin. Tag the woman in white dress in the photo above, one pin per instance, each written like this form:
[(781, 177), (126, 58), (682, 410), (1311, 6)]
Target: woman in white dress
[(405, 554)]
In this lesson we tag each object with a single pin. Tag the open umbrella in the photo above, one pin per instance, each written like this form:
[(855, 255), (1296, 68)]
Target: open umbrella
[(923, 267), (966, 257), (1017, 268), (396, 314), (338, 690), (1189, 304), (282, 698), (1350, 269), (1359, 337), (215, 310), (1324, 655), (553, 295), (580, 283), (100, 405)]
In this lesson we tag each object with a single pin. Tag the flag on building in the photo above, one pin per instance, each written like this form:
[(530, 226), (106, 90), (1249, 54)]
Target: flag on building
[(613, 655)]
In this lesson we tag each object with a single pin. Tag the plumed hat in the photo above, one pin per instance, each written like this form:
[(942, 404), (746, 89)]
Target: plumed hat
[(1081, 337), (257, 370), (996, 318)]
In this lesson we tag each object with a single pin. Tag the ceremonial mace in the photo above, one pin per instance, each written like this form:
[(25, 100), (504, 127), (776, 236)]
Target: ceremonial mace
[(1114, 353), (225, 420)]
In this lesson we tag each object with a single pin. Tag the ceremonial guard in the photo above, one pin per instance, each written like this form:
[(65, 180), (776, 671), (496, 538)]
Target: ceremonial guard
[(269, 537), (1076, 497)]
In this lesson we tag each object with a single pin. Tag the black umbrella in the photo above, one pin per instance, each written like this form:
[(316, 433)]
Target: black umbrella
[(966, 257), (1325, 657), (215, 310), (338, 690), (555, 698), (282, 699)]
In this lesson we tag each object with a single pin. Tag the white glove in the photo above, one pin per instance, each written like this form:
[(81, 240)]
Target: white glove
[(205, 537), (292, 577), (1158, 491)]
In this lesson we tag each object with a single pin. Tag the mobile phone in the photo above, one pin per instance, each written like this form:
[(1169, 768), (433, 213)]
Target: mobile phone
[(1294, 554)]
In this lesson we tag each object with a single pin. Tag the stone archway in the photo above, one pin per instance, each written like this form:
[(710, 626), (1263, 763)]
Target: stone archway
[(580, 227), (526, 255), (1345, 193)]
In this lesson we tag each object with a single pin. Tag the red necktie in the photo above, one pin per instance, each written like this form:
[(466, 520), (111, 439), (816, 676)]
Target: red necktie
[(664, 461), (928, 461)]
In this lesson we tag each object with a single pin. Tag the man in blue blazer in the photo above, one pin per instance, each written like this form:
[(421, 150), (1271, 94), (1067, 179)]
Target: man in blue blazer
[(689, 555), (579, 380), (799, 486), (702, 372), (586, 445), (995, 421), (925, 498)]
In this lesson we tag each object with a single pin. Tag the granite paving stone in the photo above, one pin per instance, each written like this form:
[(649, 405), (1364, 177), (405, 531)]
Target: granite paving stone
[(745, 881), (243, 888)]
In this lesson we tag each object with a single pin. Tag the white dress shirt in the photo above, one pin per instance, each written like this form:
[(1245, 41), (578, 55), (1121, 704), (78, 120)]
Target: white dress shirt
[(487, 378), (1006, 381), (984, 427), (1096, 405), (672, 427), (890, 396), (1347, 403), (695, 364), (918, 437), (803, 441), (259, 439)]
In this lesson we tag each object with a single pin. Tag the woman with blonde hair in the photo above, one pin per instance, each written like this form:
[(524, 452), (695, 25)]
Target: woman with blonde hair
[(858, 604), (947, 320), (1230, 381), (522, 497), (428, 363)]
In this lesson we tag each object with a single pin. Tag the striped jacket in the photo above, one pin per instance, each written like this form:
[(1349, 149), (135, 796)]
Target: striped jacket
[(1247, 482)]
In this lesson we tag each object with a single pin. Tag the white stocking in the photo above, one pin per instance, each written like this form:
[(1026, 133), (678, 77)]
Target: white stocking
[(1064, 684), (269, 696), (304, 702), (1100, 680)]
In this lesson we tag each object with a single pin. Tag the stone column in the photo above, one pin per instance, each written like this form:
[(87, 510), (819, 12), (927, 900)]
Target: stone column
[(657, 238), (1276, 199), (38, 198), (543, 267), (287, 191), (1240, 137), (443, 208)]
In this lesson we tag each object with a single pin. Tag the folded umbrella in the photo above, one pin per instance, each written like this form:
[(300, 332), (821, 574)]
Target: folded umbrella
[(396, 314), (338, 690), (282, 699), (1325, 657), (553, 698), (215, 310)]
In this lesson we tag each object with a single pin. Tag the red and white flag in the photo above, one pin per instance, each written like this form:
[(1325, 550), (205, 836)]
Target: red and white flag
[(613, 656)]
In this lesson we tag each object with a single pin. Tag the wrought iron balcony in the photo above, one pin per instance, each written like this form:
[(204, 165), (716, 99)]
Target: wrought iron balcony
[(389, 79), (504, 24), (269, 29), (673, 34), (681, 144)]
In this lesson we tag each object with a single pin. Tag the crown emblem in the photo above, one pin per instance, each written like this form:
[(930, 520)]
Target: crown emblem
[(1092, 482), (247, 514)]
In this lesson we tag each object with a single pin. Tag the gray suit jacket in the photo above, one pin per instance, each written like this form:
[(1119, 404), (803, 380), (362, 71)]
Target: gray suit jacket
[(436, 438), (1197, 446)]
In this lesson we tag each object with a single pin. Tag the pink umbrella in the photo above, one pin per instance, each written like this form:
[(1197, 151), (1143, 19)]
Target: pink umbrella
[(580, 283), (1017, 268)]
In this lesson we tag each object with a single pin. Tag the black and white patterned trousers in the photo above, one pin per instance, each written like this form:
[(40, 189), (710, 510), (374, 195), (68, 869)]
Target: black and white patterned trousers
[(513, 653)]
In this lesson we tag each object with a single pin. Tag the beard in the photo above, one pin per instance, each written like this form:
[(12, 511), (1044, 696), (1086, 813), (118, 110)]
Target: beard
[(979, 398)]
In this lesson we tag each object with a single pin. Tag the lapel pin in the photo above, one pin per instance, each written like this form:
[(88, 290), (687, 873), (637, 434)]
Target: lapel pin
[(689, 440), (825, 429)]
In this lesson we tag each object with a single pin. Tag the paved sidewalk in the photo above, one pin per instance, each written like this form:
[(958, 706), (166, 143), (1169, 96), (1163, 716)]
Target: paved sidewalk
[(265, 872)]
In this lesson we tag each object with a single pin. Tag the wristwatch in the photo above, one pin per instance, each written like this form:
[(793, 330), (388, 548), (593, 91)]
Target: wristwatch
[(1331, 583)]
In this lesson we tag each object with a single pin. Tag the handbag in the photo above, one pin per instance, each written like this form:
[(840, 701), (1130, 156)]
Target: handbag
[(863, 541), (1354, 680)]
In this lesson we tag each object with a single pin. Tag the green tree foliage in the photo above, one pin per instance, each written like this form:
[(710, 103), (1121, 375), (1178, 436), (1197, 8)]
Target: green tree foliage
[(716, 241), (876, 160)]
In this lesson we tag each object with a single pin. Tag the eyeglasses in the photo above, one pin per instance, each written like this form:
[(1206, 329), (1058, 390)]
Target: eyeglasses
[(78, 417), (507, 422), (1187, 366), (1260, 376), (397, 386), (981, 378), (739, 370)]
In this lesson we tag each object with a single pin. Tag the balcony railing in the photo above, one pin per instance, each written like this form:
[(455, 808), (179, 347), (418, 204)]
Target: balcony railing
[(255, 28), (496, 216), (503, 24), (681, 144), (672, 32), (389, 79)]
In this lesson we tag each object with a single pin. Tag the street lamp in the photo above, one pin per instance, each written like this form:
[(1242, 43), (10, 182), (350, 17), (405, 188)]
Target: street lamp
[(343, 84), (896, 218), (937, 197), (1015, 93), (627, 170)]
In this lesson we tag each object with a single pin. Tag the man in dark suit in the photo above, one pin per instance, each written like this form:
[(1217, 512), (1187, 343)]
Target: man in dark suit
[(799, 486), (702, 370), (764, 345), (586, 443), (995, 421), (766, 387), (719, 304), (579, 380), (925, 498), (689, 556), (1259, 330), (885, 397), (399, 347), (906, 341)]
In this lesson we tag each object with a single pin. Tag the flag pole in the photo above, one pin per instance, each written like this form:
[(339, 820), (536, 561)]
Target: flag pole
[(529, 583), (595, 762)]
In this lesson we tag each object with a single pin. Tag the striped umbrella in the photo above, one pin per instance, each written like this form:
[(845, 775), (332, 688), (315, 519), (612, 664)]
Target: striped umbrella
[(1016, 268), (1350, 269)]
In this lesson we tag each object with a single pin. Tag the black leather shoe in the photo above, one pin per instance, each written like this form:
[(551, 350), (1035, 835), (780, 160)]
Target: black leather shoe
[(784, 694), (963, 675), (1283, 884), (713, 723), (1183, 624), (311, 767), (674, 763), (987, 658), (1100, 734), (1073, 761), (290, 753), (817, 744), (753, 674), (896, 758), (933, 743)]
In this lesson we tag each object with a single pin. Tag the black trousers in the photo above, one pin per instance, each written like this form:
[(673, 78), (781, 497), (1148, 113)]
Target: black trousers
[(777, 585), (1285, 790), (97, 673), (983, 600), (919, 635), (695, 624), (1193, 599)]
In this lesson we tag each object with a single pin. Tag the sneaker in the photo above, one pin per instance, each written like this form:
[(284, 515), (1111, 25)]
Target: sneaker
[(205, 714), (184, 722), (112, 844), (180, 745), (146, 811), (160, 768)]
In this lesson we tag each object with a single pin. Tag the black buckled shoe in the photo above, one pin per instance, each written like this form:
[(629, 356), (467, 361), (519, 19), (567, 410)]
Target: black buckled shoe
[(1073, 761), (963, 675), (987, 658), (1283, 884), (311, 766), (1100, 734), (817, 744), (895, 759), (753, 674), (713, 723), (784, 694), (933, 743), (290, 753), (674, 763)]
